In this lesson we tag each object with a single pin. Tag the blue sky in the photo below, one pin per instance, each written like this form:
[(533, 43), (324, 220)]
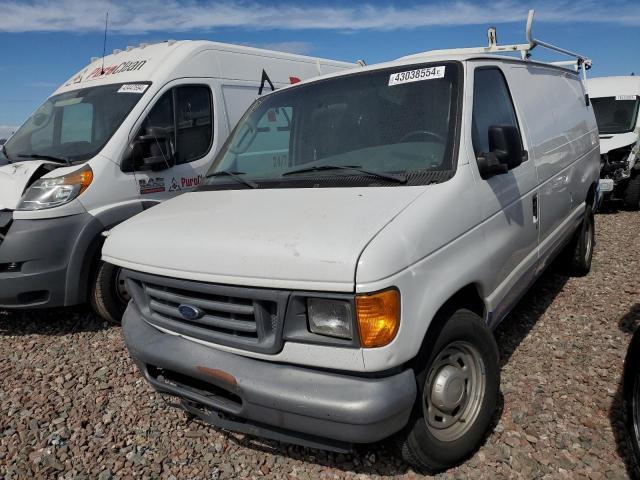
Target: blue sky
[(43, 42)]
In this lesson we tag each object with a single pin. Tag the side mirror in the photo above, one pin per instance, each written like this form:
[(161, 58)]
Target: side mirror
[(506, 152), (153, 151)]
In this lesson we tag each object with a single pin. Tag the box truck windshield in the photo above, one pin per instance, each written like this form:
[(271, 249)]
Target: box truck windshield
[(375, 124), (73, 127), (616, 114)]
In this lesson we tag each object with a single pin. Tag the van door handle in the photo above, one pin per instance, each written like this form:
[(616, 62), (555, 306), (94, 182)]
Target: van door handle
[(536, 216)]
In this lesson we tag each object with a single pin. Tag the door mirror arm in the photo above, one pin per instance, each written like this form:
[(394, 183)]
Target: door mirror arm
[(489, 165)]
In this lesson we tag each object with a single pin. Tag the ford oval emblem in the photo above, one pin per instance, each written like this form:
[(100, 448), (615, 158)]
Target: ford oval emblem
[(189, 312)]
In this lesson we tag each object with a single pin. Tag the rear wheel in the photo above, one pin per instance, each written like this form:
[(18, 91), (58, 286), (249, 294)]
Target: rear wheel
[(578, 254), (457, 395), (632, 194), (109, 296)]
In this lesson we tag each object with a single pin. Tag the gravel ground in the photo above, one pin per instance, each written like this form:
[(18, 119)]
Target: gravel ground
[(72, 404)]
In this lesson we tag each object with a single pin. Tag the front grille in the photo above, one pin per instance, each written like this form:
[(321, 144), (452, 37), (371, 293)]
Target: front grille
[(247, 318)]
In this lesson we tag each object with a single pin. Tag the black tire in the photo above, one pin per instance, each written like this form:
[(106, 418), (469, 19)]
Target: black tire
[(631, 404), (422, 443), (107, 297), (632, 194), (579, 252)]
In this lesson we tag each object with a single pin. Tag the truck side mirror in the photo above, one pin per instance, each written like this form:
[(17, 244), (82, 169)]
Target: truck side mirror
[(152, 151), (506, 152)]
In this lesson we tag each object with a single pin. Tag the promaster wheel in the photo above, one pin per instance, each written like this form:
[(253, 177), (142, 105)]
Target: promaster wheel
[(109, 296), (632, 194)]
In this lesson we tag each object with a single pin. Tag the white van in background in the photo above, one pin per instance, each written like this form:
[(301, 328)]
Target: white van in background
[(133, 129), (348, 291), (616, 101)]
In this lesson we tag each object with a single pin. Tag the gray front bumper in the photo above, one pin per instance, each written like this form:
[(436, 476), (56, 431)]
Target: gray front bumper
[(52, 255), (284, 398)]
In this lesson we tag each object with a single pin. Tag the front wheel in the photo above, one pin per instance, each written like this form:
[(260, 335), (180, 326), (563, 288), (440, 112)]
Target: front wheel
[(109, 296), (457, 395), (632, 194)]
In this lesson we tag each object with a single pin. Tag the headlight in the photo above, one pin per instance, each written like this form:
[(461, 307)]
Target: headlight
[(330, 317), (378, 317), (52, 192)]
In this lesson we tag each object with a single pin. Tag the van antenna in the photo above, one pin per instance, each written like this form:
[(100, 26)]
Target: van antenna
[(104, 43)]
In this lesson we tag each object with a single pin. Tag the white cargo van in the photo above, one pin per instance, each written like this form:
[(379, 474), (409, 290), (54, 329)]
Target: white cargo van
[(127, 132), (615, 102), (349, 290)]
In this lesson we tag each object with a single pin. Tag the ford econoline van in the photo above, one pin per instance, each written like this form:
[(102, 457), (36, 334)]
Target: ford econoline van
[(336, 276), (616, 101), (125, 133)]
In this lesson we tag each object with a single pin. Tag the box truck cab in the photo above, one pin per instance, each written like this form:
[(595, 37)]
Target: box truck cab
[(616, 101), (127, 132), (348, 291)]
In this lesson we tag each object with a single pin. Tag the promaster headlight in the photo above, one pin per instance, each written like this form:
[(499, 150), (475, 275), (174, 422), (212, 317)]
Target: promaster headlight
[(56, 191), (333, 318)]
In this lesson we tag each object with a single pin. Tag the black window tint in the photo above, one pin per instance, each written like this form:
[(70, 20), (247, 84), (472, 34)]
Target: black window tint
[(492, 105), (195, 122)]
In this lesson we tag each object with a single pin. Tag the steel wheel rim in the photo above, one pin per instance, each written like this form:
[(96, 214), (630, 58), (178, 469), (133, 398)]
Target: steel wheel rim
[(454, 391), (121, 288)]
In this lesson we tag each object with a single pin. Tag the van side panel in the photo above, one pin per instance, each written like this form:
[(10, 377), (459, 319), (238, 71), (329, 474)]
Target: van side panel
[(564, 138)]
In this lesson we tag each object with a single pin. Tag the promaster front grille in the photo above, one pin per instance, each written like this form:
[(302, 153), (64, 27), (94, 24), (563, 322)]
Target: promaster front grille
[(239, 317)]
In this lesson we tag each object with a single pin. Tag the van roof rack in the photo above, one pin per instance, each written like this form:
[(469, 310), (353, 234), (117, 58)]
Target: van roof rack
[(581, 62), (524, 48)]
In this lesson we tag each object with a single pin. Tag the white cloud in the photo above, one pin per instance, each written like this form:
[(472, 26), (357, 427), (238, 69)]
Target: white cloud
[(6, 130), (192, 15)]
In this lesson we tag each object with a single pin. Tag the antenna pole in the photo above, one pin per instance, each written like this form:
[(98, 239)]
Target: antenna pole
[(104, 43)]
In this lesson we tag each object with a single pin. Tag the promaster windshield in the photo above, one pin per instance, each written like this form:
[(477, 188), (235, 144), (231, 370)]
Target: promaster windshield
[(392, 126), (616, 114), (74, 126)]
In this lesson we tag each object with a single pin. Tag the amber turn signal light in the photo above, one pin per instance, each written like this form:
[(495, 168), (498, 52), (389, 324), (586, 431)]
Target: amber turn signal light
[(82, 177), (378, 317)]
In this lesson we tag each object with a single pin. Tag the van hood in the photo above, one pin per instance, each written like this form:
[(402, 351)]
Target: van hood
[(610, 142), (14, 179), (285, 238)]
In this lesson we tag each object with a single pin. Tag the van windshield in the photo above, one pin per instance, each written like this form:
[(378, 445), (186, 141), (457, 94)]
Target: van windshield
[(74, 126), (367, 128), (616, 114)]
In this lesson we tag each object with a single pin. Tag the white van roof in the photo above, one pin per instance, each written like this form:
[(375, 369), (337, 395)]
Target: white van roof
[(614, 86), (164, 61)]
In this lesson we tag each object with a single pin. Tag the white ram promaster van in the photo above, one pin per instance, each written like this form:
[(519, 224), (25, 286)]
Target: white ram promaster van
[(336, 277), (122, 135), (615, 103)]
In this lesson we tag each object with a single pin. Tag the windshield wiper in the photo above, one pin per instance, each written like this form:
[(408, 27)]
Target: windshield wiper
[(235, 175), (46, 157), (318, 168)]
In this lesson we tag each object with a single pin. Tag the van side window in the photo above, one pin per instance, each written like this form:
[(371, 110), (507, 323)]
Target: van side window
[(184, 116), (492, 105), (195, 122)]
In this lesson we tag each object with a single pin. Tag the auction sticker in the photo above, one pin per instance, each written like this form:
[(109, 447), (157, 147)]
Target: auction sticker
[(133, 88), (409, 76)]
